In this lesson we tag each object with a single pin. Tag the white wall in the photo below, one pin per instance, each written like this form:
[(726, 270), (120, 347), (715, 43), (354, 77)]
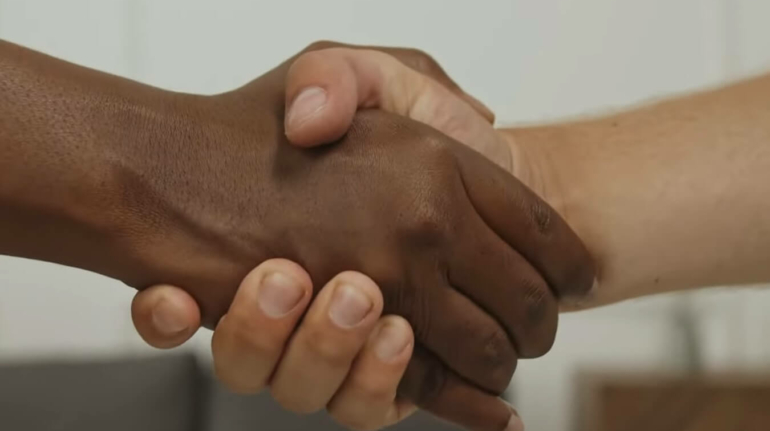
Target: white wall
[(528, 60)]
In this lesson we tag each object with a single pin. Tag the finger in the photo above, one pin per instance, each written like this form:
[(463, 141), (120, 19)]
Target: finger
[(251, 337), (505, 285), (324, 89), (436, 389), (418, 61), (450, 319), (527, 224), (165, 316), (367, 398), (332, 333), (427, 65)]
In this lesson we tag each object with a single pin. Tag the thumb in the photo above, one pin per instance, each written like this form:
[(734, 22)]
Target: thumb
[(165, 316), (325, 88)]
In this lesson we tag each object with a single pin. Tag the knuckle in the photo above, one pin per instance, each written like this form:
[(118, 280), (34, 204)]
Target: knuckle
[(442, 157), (536, 300), (427, 227), (371, 388), (501, 359), (437, 148), (323, 348), (429, 221), (542, 216), (541, 314), (239, 334)]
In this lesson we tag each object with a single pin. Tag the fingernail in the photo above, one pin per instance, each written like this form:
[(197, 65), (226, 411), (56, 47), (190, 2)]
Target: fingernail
[(308, 103), (165, 317), (391, 340), (349, 306), (515, 423), (278, 294)]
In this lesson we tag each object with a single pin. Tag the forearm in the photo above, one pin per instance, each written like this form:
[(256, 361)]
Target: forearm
[(671, 196), (57, 197)]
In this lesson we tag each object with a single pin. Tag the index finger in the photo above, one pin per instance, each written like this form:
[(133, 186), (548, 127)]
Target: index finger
[(528, 224)]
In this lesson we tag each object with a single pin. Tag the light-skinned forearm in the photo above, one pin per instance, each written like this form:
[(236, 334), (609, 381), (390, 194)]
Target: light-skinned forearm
[(670, 196)]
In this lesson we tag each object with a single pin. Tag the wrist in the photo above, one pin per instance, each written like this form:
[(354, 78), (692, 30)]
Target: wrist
[(556, 161), (63, 182), (533, 163), (169, 223)]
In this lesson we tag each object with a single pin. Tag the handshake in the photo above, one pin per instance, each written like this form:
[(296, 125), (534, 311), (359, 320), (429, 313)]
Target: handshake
[(407, 253), (436, 234), (379, 215), (393, 241)]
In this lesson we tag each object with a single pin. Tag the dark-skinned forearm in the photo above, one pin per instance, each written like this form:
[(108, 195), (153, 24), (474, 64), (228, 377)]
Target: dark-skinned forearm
[(57, 191)]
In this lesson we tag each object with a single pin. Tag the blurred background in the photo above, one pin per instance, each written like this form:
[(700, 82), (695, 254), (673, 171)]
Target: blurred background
[(530, 61)]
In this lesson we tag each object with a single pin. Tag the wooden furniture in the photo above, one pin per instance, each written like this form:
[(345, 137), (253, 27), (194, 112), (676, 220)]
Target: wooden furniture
[(669, 403)]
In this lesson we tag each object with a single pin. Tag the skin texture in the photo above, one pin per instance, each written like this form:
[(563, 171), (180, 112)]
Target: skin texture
[(153, 186), (665, 195), (668, 196), (249, 351), (354, 370)]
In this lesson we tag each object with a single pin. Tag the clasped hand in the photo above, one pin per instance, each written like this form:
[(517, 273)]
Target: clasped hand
[(390, 217)]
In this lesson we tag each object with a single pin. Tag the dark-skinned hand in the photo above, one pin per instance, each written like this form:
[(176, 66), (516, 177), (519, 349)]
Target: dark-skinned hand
[(493, 213), (198, 189)]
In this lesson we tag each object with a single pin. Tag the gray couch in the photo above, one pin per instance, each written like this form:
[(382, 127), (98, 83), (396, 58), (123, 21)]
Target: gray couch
[(165, 393)]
